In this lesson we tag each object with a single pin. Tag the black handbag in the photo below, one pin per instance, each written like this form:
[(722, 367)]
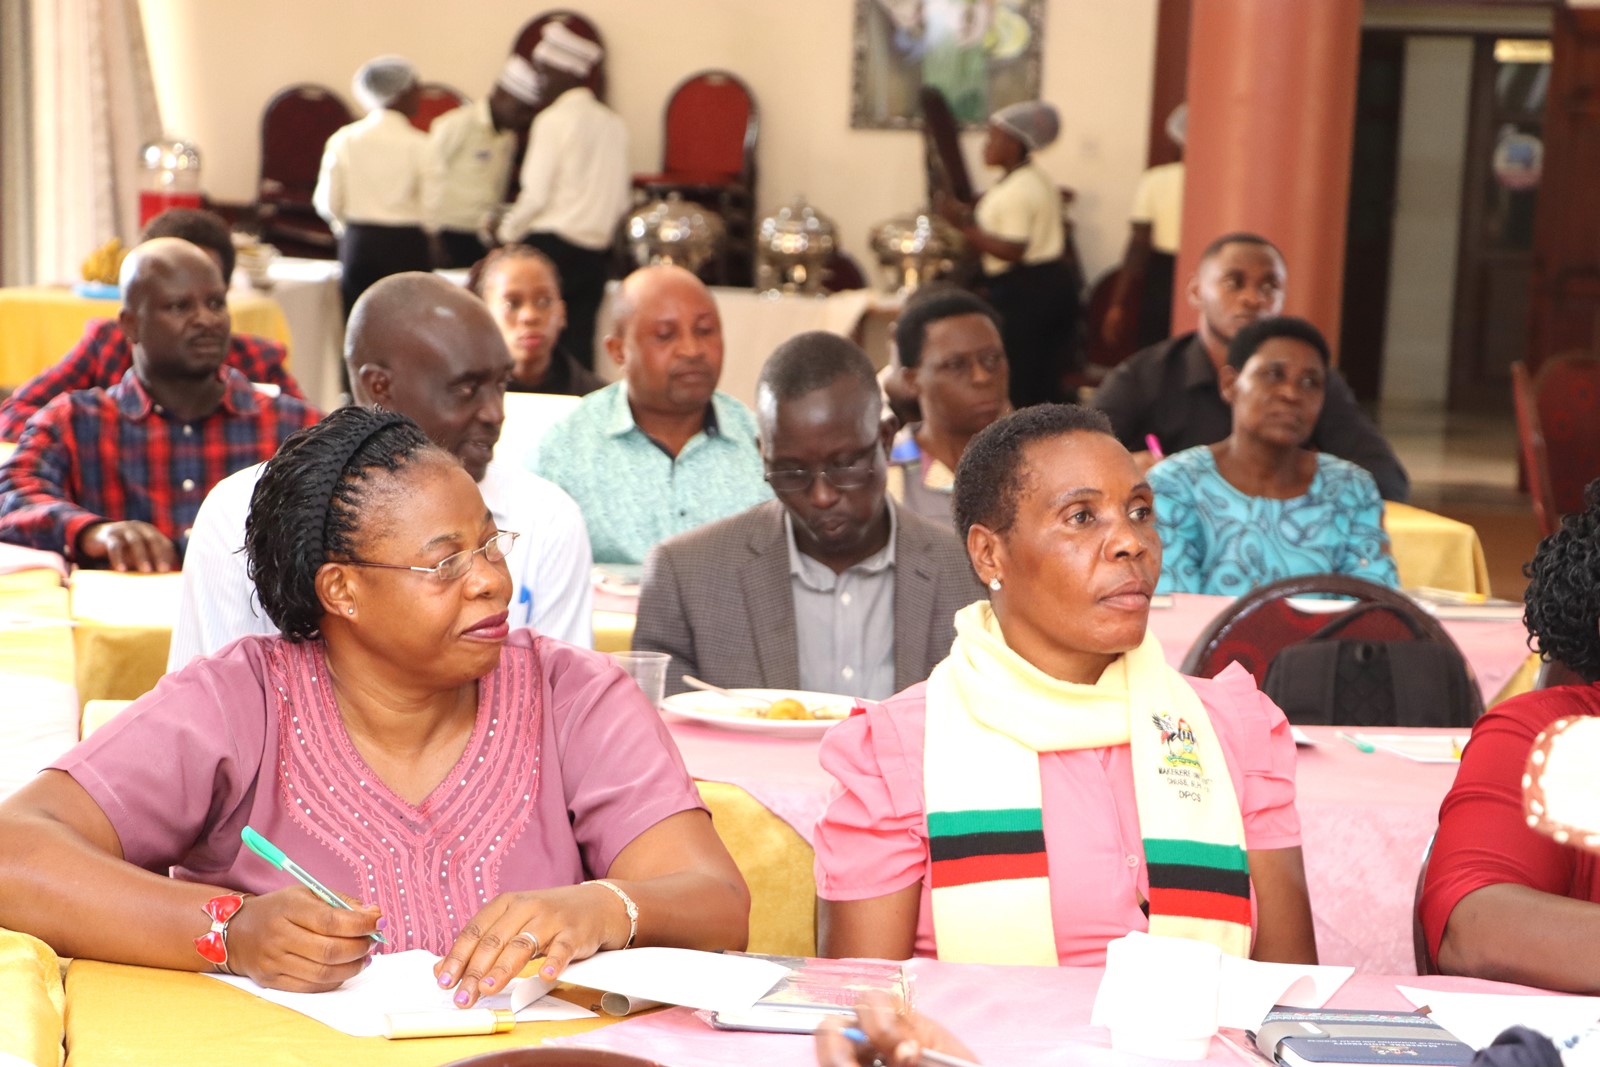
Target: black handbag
[(1330, 681)]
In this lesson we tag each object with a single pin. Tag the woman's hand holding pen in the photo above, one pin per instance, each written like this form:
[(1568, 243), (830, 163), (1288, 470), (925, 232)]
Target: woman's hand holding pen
[(893, 1036), (562, 925), (290, 940)]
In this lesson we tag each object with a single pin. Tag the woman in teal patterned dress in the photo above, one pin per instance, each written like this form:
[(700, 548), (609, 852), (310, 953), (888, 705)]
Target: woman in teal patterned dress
[(1259, 505)]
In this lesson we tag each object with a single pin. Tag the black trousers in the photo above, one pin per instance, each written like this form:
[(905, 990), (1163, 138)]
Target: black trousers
[(463, 248), (369, 253), (583, 287), (1039, 310)]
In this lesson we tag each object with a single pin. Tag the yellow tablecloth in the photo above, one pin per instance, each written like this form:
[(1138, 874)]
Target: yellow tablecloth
[(32, 1000), (119, 1016), (123, 631), (1431, 550), (39, 324)]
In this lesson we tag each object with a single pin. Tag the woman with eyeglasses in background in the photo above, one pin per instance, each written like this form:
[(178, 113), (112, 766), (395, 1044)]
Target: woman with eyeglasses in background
[(490, 795)]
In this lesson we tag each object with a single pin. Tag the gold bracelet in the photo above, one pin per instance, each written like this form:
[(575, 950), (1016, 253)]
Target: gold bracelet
[(627, 902)]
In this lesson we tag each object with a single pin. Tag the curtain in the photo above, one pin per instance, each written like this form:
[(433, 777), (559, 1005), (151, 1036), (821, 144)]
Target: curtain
[(92, 105)]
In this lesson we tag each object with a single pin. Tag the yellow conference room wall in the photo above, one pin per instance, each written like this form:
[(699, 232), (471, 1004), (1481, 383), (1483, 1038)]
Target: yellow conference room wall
[(217, 64)]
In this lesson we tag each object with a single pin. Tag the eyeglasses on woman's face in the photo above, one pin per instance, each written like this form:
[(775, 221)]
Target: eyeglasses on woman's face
[(456, 565)]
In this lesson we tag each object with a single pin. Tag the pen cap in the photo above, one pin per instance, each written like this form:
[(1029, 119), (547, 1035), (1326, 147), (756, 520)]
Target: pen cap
[(263, 848)]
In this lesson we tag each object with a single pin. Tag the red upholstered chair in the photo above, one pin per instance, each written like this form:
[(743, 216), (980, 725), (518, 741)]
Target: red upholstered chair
[(434, 99), (1259, 625), (709, 156), (1559, 433), (294, 128)]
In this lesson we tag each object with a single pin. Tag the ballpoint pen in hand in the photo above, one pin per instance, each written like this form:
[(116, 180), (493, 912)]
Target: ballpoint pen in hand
[(938, 1059), (274, 855)]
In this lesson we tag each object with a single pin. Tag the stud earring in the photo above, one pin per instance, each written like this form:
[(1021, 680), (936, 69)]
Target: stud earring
[(994, 583), (349, 611)]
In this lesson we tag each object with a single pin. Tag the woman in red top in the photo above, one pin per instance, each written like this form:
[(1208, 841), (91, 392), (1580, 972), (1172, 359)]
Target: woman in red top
[(1500, 900)]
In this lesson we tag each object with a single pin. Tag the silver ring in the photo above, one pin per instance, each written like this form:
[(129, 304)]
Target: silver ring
[(533, 942)]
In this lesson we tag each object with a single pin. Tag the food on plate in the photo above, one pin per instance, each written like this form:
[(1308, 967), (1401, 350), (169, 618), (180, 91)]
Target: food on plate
[(788, 708)]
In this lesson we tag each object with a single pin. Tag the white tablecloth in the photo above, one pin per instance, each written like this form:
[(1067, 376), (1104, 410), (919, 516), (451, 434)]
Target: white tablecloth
[(308, 292)]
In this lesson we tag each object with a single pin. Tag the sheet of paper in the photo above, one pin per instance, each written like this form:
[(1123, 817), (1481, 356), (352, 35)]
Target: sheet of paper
[(403, 981), (1420, 748), (1250, 989), (1478, 1018), (707, 980)]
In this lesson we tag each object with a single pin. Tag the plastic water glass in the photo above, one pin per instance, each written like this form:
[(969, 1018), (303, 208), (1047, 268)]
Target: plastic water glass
[(648, 671)]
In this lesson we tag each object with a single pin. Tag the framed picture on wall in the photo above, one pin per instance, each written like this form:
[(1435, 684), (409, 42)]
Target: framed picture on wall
[(981, 54)]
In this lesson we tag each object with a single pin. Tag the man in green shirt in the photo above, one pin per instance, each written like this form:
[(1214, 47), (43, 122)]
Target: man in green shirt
[(660, 451)]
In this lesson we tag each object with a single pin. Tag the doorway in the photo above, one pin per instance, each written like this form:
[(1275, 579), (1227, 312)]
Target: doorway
[(1442, 194)]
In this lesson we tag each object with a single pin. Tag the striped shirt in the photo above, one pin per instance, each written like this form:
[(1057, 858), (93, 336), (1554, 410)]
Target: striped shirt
[(109, 455)]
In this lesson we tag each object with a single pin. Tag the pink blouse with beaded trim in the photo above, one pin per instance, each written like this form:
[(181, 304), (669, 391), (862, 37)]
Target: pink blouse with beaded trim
[(566, 765)]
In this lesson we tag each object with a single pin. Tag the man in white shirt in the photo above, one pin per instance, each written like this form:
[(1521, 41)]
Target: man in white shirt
[(370, 185), (575, 180), (469, 163), (417, 345)]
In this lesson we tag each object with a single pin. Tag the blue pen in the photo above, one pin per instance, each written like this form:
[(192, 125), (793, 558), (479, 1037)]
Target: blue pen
[(274, 855), (940, 1059)]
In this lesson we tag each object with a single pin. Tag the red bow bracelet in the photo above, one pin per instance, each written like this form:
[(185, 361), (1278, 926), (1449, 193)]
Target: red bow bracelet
[(213, 944)]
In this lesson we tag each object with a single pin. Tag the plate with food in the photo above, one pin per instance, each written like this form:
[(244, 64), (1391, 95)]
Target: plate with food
[(767, 711)]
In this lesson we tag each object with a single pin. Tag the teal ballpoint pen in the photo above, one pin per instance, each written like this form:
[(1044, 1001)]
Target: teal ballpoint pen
[(274, 855)]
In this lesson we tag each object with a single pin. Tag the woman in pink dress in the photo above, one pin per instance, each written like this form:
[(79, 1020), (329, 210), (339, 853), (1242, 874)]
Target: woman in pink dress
[(490, 796), (1054, 784)]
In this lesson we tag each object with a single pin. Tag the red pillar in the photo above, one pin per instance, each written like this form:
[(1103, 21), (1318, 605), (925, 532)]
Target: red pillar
[(1272, 92)]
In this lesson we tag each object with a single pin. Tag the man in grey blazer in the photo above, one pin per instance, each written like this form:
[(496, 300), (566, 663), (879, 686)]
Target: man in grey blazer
[(829, 587)]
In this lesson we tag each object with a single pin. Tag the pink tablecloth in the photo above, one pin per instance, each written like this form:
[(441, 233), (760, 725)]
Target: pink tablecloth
[(1007, 1015), (1365, 819)]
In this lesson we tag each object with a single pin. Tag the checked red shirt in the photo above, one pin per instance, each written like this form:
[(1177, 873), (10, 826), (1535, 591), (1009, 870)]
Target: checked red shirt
[(103, 355), (105, 455)]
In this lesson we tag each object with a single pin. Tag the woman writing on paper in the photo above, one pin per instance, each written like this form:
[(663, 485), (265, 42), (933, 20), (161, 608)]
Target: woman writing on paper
[(1500, 900), (1259, 505), (1054, 784), (457, 781)]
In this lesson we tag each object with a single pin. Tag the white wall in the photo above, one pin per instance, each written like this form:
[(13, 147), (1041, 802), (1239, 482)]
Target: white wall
[(1427, 220), (217, 62)]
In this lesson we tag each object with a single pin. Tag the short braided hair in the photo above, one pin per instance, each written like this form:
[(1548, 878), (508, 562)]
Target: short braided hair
[(306, 508), (989, 478), (1563, 594)]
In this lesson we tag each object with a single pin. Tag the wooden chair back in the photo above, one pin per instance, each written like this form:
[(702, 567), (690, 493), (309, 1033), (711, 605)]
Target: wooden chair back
[(1530, 440)]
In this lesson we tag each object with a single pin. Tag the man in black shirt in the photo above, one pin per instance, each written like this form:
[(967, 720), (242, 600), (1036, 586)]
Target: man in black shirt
[(1170, 391)]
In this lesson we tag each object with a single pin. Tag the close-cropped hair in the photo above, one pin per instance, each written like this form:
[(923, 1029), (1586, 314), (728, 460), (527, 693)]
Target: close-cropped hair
[(198, 227), (814, 360), (1563, 594), (307, 506), (1248, 341), (927, 306), (1237, 237), (989, 478), (478, 277)]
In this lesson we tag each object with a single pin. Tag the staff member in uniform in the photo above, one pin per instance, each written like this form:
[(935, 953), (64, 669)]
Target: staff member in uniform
[(370, 187), (1017, 226)]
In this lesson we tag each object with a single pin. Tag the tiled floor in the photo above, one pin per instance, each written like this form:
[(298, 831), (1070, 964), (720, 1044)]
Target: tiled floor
[(1465, 466)]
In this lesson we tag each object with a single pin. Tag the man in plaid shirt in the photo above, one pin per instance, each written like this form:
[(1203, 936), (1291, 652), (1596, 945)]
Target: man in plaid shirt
[(115, 476), (102, 356)]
